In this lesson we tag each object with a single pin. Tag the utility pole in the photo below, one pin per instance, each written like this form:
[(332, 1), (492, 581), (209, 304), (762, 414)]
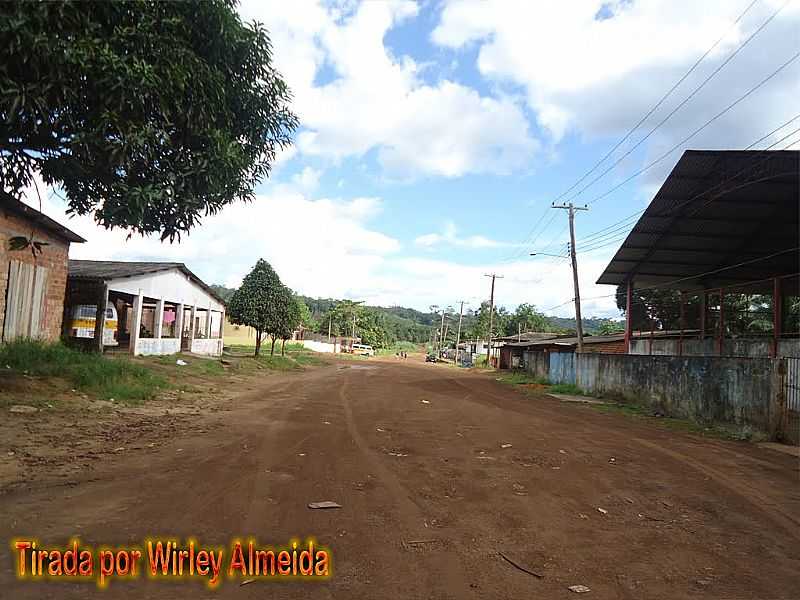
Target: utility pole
[(519, 331), (578, 323), (441, 335), (330, 322), (458, 335), (491, 318)]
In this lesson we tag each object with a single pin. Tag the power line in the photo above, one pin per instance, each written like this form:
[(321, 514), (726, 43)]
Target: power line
[(623, 222), (682, 279), (685, 100), (667, 95), (793, 58), (603, 240)]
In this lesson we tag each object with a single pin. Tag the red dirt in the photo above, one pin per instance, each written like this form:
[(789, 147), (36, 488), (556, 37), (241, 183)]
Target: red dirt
[(686, 516)]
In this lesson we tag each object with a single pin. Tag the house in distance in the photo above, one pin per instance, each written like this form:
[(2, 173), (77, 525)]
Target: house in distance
[(144, 308)]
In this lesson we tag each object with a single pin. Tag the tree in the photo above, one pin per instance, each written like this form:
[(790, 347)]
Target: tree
[(288, 320), (526, 318), (258, 302), (148, 114)]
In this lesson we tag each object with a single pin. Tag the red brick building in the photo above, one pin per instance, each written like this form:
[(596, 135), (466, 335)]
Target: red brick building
[(32, 287)]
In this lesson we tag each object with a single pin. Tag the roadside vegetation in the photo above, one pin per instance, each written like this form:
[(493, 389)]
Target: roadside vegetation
[(99, 376), (531, 384)]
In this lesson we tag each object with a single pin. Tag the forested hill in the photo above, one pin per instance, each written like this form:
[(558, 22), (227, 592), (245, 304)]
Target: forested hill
[(396, 323)]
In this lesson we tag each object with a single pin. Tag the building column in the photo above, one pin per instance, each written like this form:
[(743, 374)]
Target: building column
[(100, 317), (628, 318), (721, 339), (777, 316), (222, 324), (138, 301), (682, 296), (179, 321), (208, 323), (159, 319), (703, 303), (193, 317)]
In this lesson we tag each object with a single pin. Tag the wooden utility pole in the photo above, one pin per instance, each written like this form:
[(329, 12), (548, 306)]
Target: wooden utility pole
[(458, 335), (578, 323), (441, 335), (491, 318)]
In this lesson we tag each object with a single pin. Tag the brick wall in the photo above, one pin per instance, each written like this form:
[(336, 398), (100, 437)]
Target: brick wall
[(617, 347), (54, 257)]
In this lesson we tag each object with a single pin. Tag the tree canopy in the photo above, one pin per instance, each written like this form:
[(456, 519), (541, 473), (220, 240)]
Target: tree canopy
[(148, 114), (259, 302)]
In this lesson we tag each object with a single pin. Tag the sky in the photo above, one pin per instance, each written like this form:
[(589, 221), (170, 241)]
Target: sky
[(435, 135)]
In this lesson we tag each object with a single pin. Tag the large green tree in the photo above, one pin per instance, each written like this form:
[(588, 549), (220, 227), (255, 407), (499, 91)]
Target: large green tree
[(525, 318), (289, 316), (148, 114), (259, 302)]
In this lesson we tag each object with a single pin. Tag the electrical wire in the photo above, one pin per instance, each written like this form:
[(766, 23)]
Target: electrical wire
[(669, 93), (793, 58)]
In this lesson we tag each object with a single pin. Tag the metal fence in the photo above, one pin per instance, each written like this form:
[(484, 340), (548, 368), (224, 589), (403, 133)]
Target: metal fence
[(792, 391)]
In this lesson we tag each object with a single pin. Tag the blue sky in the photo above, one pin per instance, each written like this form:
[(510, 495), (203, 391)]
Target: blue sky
[(435, 135)]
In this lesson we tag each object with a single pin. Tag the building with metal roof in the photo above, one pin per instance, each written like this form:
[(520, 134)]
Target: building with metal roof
[(148, 308), (723, 223)]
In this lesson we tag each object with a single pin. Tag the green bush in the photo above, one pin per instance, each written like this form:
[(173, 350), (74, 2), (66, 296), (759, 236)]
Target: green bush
[(100, 376)]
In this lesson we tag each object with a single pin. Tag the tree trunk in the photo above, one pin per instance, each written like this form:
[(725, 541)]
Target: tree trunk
[(283, 345), (272, 350), (258, 342)]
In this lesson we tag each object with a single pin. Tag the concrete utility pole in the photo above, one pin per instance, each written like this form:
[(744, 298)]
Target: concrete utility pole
[(458, 335), (330, 322), (491, 318), (578, 323)]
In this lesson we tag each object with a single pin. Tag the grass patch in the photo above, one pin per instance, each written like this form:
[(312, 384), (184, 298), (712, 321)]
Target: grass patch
[(714, 430), (278, 363), (520, 378), (567, 388), (94, 374)]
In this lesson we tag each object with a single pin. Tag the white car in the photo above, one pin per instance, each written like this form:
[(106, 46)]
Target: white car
[(363, 350)]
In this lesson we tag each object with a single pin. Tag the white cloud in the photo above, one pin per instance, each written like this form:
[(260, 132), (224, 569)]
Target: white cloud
[(598, 76), (372, 100), (307, 179), (449, 236)]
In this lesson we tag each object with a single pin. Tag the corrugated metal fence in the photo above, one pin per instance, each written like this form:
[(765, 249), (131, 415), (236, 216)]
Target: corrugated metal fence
[(792, 391)]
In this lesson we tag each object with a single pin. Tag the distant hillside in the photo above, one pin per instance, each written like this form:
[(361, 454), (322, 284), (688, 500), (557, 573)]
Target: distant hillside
[(403, 323)]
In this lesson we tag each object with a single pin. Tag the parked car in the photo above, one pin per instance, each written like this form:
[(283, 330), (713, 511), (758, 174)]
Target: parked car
[(363, 350), (82, 321)]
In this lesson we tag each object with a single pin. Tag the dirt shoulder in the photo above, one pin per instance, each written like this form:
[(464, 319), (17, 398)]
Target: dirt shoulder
[(54, 433)]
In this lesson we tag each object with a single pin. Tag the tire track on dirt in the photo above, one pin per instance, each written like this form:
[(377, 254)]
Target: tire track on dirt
[(772, 510), (444, 570)]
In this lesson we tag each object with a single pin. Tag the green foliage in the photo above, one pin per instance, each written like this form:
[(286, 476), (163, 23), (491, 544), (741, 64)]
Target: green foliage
[(223, 292), (259, 302), (525, 318), (610, 327), (149, 114), (103, 377)]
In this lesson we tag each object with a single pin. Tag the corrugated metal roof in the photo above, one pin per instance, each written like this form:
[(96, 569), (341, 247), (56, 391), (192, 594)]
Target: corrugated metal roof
[(715, 210), (104, 270), (23, 210), (587, 339)]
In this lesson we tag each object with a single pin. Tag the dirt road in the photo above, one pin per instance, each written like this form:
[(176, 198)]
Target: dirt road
[(430, 496)]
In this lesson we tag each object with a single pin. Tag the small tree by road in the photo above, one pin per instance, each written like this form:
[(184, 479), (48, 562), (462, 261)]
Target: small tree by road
[(258, 302)]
